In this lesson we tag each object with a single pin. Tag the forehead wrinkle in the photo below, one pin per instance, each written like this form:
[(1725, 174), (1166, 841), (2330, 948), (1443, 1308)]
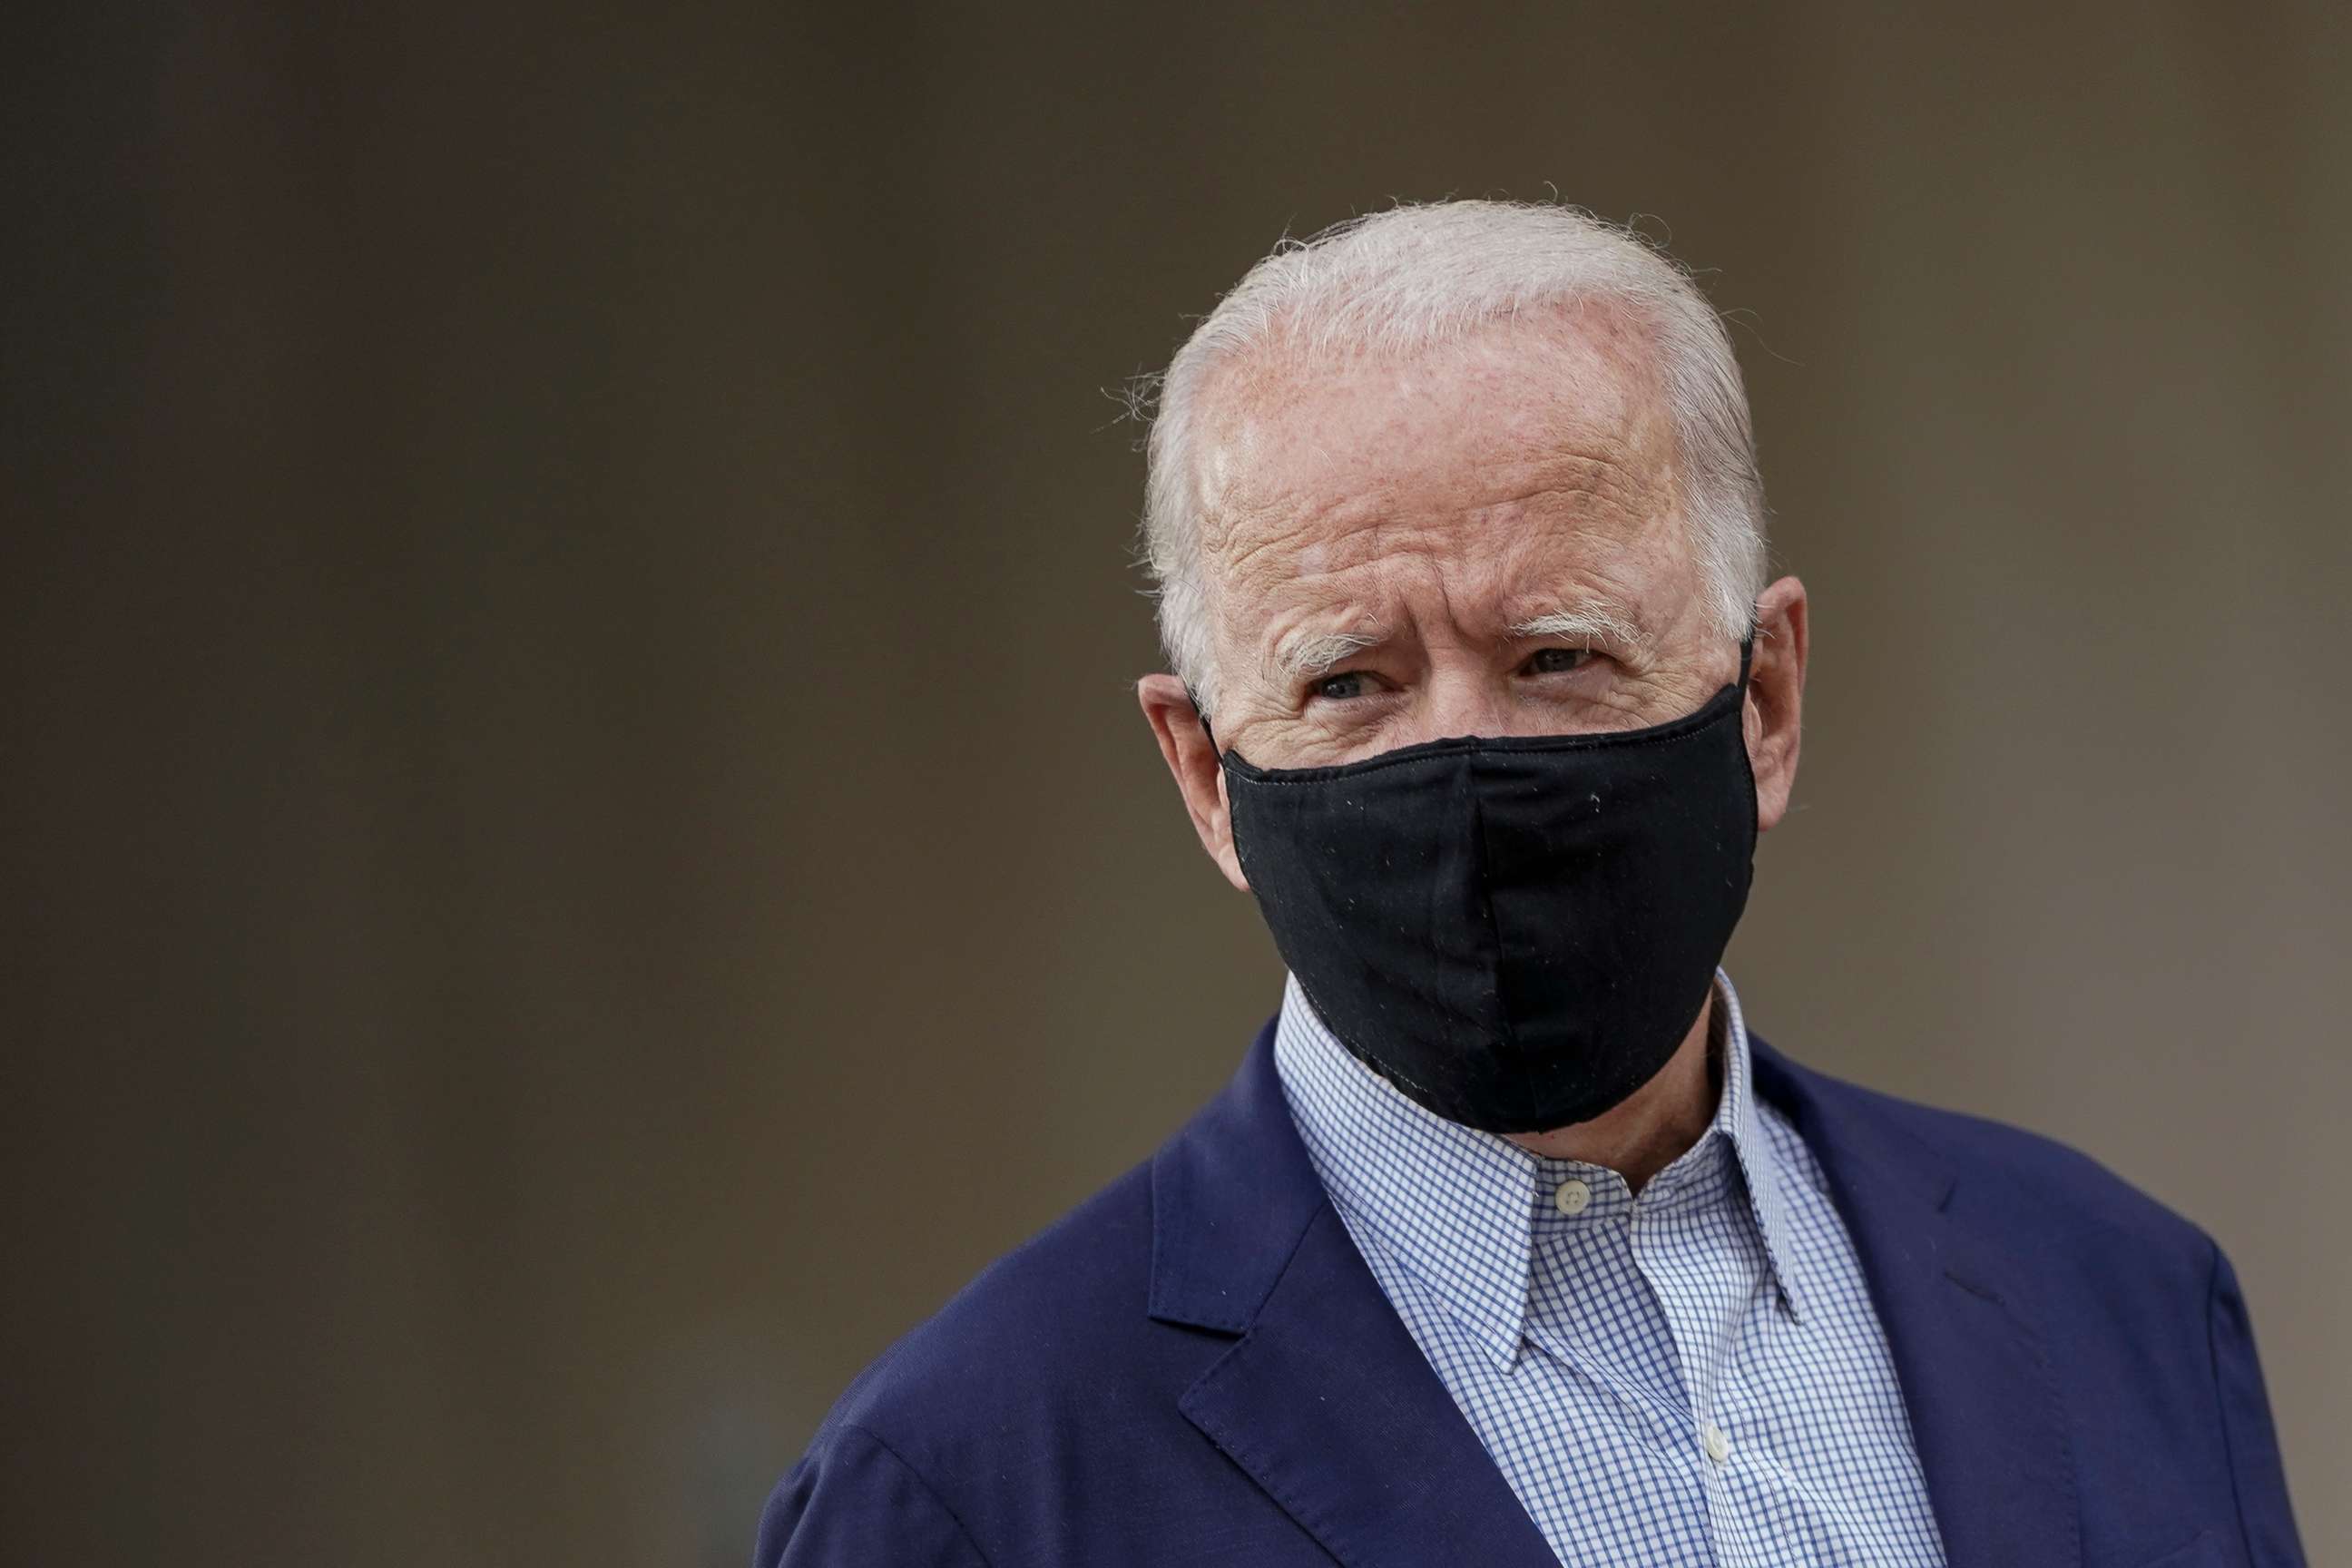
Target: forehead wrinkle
[(1566, 494), (1524, 587), (1584, 440), (1253, 518)]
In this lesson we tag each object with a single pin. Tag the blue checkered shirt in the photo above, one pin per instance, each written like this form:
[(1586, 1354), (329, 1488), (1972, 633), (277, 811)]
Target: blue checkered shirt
[(1693, 1376)]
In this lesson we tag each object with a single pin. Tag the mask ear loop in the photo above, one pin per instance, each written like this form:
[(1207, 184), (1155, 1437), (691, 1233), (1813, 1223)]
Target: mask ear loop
[(1201, 713)]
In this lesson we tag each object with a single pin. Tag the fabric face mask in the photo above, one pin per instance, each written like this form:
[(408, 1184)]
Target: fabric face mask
[(1515, 932)]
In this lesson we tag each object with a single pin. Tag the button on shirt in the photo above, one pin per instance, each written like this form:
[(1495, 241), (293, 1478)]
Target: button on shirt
[(1692, 1376)]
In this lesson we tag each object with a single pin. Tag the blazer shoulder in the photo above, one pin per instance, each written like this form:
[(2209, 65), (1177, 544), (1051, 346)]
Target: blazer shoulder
[(1029, 1327), (2033, 1186), (1047, 1392)]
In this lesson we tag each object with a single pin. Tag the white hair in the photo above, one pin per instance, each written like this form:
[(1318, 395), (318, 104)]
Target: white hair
[(1416, 277)]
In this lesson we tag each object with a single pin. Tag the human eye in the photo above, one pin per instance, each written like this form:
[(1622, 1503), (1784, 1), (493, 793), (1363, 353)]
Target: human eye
[(1557, 661), (1341, 687)]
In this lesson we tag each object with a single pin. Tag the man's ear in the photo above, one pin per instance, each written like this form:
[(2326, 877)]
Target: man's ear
[(1776, 698), (1192, 758)]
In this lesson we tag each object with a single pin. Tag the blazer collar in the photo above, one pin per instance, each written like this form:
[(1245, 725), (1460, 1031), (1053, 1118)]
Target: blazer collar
[(1231, 1195), (1958, 1312), (1324, 1400)]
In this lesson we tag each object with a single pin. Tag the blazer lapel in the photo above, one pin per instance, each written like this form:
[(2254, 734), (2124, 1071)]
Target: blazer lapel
[(1325, 1400), (1975, 1375)]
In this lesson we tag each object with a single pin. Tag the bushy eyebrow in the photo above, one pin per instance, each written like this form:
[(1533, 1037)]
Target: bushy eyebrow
[(1304, 654), (1593, 622)]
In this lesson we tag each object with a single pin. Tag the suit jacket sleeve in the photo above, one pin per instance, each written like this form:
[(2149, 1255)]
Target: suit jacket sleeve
[(2254, 1463), (854, 1503)]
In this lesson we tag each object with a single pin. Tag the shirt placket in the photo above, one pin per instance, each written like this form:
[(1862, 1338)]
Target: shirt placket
[(1591, 1307), (1691, 1257)]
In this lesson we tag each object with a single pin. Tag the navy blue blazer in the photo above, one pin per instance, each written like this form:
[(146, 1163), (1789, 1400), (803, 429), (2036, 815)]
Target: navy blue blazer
[(1196, 1367)]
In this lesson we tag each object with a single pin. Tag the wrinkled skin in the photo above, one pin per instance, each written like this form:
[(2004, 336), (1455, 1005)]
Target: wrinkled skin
[(1432, 506)]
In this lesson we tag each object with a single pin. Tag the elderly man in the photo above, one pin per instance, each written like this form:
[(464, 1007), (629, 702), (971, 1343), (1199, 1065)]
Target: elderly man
[(1510, 1244)]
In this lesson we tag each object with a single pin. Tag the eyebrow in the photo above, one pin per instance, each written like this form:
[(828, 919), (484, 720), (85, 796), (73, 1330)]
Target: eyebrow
[(1303, 654), (1593, 621), (1306, 653)]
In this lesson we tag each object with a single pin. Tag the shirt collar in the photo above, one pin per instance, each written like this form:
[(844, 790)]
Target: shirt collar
[(1736, 1115), (1458, 1206)]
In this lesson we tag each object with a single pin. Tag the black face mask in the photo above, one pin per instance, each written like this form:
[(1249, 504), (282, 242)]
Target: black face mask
[(1515, 932)]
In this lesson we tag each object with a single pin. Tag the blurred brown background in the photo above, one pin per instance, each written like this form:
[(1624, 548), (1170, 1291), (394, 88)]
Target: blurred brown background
[(578, 852)]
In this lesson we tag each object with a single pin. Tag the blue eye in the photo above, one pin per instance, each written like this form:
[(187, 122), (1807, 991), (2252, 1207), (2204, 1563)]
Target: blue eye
[(1557, 661), (1341, 687)]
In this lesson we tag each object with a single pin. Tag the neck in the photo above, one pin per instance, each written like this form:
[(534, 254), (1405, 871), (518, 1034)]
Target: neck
[(1652, 1127)]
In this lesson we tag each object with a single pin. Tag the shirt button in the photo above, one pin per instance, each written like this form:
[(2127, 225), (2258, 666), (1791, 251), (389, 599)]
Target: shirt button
[(1572, 1197), (1715, 1440)]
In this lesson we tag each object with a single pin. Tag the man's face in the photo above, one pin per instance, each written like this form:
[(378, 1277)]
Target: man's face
[(1483, 539), (1486, 539)]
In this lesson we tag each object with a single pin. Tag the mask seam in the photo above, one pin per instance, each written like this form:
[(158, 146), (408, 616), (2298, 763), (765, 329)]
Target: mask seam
[(1510, 1035)]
